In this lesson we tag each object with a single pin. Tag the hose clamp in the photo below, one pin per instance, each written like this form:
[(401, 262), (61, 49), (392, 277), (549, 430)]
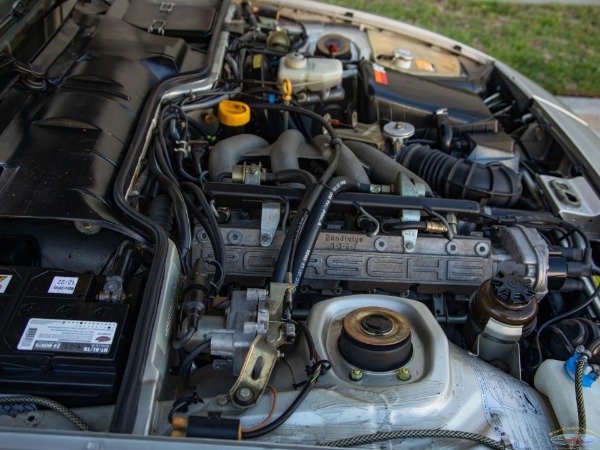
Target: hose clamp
[(583, 353)]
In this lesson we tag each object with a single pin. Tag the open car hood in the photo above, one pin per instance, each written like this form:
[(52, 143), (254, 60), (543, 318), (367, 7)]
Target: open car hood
[(287, 224)]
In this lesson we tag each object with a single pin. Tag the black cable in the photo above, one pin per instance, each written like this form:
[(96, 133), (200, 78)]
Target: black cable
[(215, 241), (216, 264), (308, 385), (182, 403), (297, 175), (285, 252), (162, 156), (555, 221), (181, 215), (311, 196), (401, 226), (312, 369), (179, 343), (283, 417), (128, 251), (186, 364), (215, 232), (562, 316), (570, 312), (310, 343), (305, 112), (306, 242), (182, 172), (559, 335)]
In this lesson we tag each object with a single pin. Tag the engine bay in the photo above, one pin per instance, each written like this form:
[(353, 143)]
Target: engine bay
[(287, 224)]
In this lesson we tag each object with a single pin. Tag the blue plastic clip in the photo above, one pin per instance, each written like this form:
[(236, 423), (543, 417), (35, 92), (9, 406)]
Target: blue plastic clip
[(570, 367), (272, 99)]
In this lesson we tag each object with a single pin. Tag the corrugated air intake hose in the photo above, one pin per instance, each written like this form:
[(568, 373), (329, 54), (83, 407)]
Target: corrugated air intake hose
[(491, 184)]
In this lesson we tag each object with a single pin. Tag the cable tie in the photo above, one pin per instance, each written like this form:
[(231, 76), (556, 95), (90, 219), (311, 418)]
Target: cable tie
[(335, 141), (325, 366)]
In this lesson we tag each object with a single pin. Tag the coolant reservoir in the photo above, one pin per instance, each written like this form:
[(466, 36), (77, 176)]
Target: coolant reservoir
[(552, 381), (312, 74)]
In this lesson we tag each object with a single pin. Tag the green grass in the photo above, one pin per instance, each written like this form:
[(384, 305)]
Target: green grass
[(557, 46)]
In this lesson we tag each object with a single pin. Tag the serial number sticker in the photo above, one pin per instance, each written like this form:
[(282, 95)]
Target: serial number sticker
[(4, 281), (63, 285), (71, 336)]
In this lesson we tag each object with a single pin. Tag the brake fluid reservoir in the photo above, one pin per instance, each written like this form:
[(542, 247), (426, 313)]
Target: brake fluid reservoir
[(552, 381), (312, 74)]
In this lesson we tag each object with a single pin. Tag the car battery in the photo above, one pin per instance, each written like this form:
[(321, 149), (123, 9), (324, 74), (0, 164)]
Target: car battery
[(58, 341)]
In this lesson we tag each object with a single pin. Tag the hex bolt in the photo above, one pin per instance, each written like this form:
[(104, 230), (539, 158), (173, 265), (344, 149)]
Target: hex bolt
[(356, 375), (271, 339), (235, 237), (244, 396), (245, 393), (404, 374), (222, 400)]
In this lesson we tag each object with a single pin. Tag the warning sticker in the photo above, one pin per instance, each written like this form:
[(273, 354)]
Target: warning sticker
[(380, 74), (73, 336), (4, 281), (511, 408), (63, 285)]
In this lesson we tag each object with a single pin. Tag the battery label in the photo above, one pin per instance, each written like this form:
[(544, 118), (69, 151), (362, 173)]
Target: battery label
[(4, 280), (63, 285), (73, 336)]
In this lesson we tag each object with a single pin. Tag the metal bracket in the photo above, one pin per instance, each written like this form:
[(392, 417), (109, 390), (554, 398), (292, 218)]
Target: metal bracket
[(505, 351), (255, 330), (369, 133), (263, 353), (255, 374), (407, 188), (166, 6), (269, 221), (157, 26)]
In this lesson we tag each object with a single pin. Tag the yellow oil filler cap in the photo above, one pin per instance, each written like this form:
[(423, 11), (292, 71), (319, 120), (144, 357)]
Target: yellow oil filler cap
[(233, 113)]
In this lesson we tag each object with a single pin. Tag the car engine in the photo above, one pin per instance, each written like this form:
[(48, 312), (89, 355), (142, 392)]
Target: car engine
[(288, 224)]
